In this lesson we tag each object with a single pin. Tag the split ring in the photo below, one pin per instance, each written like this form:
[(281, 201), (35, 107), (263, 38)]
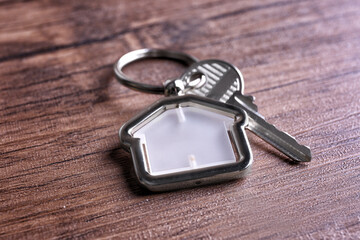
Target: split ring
[(146, 53)]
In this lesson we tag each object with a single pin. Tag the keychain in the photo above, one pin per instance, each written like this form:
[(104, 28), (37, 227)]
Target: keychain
[(196, 134)]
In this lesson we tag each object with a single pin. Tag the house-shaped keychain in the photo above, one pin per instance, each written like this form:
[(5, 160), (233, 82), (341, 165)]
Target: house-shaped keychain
[(187, 141)]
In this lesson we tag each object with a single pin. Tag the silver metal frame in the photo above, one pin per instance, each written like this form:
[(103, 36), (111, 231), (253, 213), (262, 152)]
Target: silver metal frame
[(144, 54), (195, 177)]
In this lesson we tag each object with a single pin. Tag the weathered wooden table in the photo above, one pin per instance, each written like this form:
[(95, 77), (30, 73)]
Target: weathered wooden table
[(63, 174)]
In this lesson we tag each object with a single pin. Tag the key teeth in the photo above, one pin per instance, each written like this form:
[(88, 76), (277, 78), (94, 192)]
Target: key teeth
[(305, 149), (308, 154), (288, 134)]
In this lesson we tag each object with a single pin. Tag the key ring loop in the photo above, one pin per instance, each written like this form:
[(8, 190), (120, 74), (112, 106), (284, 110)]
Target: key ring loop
[(146, 53)]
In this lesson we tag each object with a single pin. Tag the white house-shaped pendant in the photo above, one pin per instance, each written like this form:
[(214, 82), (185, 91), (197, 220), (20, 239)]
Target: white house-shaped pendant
[(187, 141)]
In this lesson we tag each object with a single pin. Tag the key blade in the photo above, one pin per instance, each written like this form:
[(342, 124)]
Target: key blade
[(278, 139)]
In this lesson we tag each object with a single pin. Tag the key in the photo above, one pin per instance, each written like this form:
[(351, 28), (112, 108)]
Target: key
[(224, 82)]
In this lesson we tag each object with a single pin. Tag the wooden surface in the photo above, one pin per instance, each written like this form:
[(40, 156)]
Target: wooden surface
[(63, 174)]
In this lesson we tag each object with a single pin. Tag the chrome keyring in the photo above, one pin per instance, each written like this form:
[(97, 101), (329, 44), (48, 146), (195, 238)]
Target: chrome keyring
[(145, 54)]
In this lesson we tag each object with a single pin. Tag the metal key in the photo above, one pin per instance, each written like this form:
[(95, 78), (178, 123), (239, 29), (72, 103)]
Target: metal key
[(225, 83)]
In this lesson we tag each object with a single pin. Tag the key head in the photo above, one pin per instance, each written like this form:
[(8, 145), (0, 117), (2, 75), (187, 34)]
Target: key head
[(222, 79)]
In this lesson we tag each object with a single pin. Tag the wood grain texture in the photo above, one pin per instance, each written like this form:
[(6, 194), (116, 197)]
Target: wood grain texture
[(63, 174)]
